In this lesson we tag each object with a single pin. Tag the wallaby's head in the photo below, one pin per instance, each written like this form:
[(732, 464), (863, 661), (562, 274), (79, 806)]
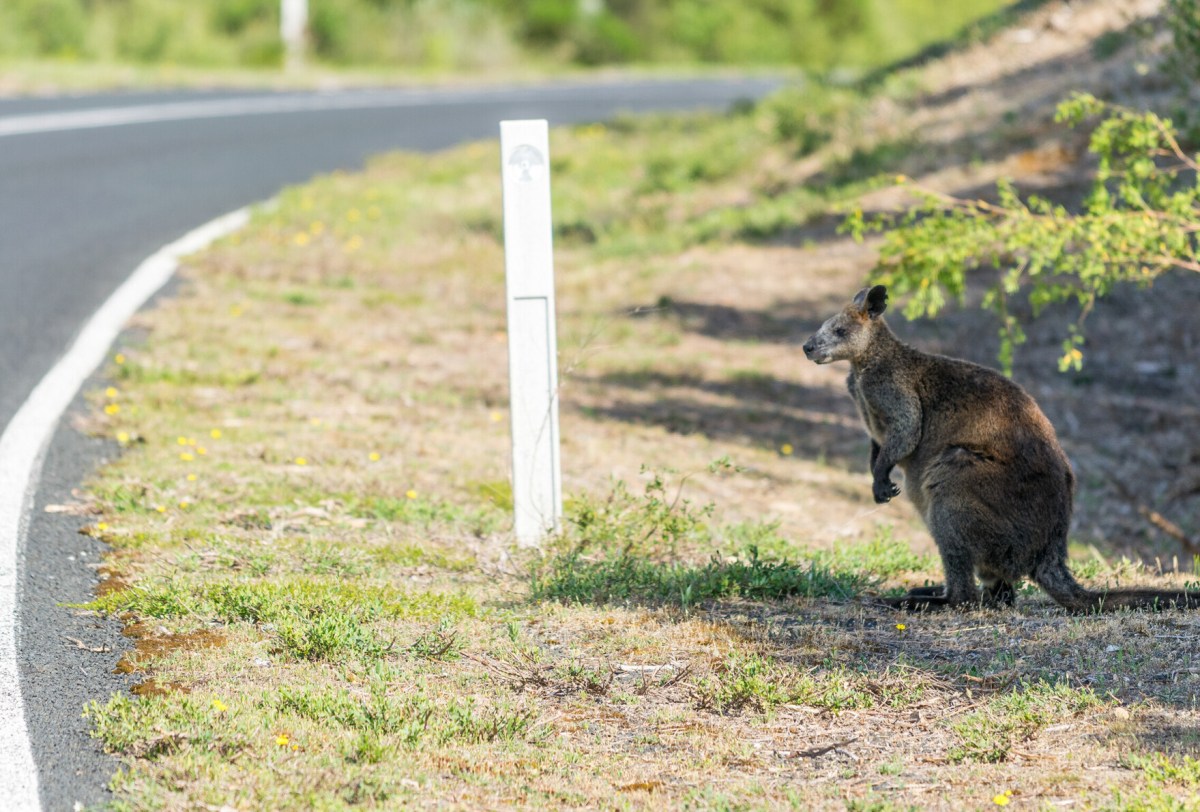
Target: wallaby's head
[(847, 335)]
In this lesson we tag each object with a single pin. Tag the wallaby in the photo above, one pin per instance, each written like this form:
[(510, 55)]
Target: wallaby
[(981, 463)]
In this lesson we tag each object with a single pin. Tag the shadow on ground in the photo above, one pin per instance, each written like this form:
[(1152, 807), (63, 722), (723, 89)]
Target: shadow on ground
[(755, 409)]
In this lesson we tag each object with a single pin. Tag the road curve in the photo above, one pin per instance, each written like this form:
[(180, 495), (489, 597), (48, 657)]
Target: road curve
[(89, 187)]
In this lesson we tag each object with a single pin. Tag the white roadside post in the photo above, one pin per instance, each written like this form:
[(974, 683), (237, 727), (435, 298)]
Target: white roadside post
[(293, 24), (532, 341)]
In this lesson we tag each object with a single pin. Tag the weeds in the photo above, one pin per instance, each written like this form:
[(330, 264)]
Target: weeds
[(404, 719), (745, 682), (989, 735), (651, 532), (748, 681), (628, 579), (441, 643), (1160, 769)]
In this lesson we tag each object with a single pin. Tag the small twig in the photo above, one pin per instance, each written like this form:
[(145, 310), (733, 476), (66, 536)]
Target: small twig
[(965, 709), (103, 649), (1190, 545), (813, 752), (1162, 675), (679, 677), (1170, 528)]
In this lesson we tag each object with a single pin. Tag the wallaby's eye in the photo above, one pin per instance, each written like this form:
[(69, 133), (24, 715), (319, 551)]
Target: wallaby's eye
[(840, 332)]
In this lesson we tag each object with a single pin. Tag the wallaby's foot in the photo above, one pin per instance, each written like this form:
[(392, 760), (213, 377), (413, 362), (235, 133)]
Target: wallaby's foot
[(934, 598), (920, 599)]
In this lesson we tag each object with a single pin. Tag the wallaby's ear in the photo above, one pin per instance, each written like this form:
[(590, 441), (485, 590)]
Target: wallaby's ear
[(860, 298), (876, 301)]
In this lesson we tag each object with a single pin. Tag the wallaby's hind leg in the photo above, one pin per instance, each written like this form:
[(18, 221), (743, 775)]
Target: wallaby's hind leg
[(923, 598), (958, 562)]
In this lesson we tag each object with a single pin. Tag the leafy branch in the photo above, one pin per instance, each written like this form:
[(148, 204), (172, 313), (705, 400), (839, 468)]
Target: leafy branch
[(1139, 220)]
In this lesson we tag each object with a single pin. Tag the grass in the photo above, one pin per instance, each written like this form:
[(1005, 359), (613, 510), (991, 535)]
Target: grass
[(990, 734), (310, 523)]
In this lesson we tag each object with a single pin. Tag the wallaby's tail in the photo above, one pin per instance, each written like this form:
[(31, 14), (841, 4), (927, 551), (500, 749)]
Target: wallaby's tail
[(1060, 584)]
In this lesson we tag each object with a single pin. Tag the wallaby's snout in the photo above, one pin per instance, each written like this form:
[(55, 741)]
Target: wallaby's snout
[(816, 350)]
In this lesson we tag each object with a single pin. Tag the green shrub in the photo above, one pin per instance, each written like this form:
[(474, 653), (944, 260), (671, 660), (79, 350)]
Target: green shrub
[(53, 27), (1139, 221)]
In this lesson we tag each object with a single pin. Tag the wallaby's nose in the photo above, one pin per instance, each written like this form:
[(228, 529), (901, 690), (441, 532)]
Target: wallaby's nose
[(808, 348)]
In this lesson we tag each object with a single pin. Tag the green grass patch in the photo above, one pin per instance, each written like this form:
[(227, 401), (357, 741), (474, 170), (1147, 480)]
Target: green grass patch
[(753, 682), (632, 579), (988, 735), (1162, 769), (274, 601)]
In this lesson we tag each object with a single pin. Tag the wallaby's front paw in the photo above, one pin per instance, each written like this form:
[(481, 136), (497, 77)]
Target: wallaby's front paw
[(884, 490)]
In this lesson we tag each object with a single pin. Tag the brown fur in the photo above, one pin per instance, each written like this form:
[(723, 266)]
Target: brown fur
[(980, 461)]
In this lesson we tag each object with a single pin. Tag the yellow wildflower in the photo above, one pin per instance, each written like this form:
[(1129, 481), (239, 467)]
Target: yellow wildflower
[(281, 740), (215, 434), (187, 457), (110, 392), (786, 449), (900, 627), (301, 461), (122, 437), (219, 706), (119, 359), (374, 456), (1003, 798), (411, 494), (112, 408), (101, 526), (301, 239), (191, 477)]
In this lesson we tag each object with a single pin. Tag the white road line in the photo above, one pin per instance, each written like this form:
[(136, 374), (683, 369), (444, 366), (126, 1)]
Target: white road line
[(301, 102), (22, 450)]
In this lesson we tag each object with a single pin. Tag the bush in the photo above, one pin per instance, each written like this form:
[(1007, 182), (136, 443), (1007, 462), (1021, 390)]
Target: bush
[(1139, 221), (816, 34), (53, 27)]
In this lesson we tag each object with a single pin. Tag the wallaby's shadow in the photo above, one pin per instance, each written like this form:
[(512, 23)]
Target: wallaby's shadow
[(759, 410)]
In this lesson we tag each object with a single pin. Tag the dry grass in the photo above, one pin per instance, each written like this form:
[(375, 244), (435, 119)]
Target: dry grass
[(310, 527)]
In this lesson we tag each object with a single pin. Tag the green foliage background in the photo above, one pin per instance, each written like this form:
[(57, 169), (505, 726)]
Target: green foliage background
[(465, 34), (1139, 220)]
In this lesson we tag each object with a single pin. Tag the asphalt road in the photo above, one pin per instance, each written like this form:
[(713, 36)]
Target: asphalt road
[(90, 186)]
